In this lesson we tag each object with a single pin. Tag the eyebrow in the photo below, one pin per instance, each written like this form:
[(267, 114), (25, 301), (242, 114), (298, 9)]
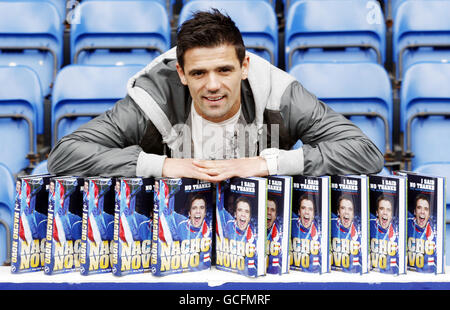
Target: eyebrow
[(220, 68)]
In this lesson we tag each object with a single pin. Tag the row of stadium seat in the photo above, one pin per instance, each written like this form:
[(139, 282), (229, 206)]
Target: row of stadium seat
[(361, 91), (134, 32)]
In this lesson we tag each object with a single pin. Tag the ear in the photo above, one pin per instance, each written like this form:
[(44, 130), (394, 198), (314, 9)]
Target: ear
[(245, 67), (181, 74)]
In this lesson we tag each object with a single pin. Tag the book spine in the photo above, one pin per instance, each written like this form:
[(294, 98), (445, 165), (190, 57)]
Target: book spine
[(15, 245), (48, 266), (326, 233), (115, 256), (84, 264), (155, 232), (364, 225), (403, 216), (261, 243), (440, 195)]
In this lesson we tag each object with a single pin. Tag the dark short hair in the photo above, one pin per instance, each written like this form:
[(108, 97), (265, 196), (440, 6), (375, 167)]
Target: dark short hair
[(345, 197), (386, 198), (242, 199), (422, 197), (209, 29), (305, 196)]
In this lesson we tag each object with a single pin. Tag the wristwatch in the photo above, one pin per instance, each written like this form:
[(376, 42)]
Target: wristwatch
[(271, 157)]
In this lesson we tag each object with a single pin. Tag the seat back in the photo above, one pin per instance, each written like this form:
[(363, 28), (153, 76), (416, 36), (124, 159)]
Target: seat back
[(119, 32), (334, 31), (31, 34), (425, 106), (21, 110), (83, 91), (256, 20), (359, 89), (421, 33)]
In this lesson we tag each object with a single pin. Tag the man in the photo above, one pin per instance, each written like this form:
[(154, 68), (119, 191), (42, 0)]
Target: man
[(306, 229), (158, 129), (421, 235), (238, 229), (383, 235), (194, 225), (274, 236), (345, 231)]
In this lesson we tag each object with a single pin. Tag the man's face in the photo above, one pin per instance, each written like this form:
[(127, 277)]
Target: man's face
[(197, 212), (242, 215), (306, 212), (213, 76), (384, 213), (271, 213), (346, 212), (422, 212)]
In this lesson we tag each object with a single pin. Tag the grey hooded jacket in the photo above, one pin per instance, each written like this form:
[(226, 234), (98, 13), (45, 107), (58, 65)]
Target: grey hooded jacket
[(136, 135)]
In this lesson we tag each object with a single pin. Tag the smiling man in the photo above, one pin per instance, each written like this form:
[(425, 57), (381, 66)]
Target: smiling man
[(209, 110)]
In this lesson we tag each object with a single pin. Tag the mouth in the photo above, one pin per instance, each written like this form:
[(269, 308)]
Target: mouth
[(214, 99), (242, 222), (306, 220), (422, 220), (197, 218)]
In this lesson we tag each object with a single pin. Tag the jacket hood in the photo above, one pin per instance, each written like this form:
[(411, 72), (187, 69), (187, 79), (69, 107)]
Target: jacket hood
[(267, 82)]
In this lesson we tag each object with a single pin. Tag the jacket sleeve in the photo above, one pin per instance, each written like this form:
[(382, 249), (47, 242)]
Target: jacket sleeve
[(332, 144), (108, 145)]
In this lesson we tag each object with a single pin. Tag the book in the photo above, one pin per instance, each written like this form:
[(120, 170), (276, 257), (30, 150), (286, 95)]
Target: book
[(97, 225), (29, 223), (310, 229), (387, 224), (182, 226), (133, 225), (241, 208), (279, 196), (426, 223), (349, 224), (65, 209)]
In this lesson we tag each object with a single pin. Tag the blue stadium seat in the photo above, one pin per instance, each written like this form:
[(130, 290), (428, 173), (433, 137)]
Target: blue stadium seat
[(60, 5), (31, 34), (425, 112), (256, 20), (334, 31), (440, 169), (421, 33), (7, 191), (271, 2), (20, 109), (168, 4), (119, 32), (40, 168), (84, 91), (359, 89)]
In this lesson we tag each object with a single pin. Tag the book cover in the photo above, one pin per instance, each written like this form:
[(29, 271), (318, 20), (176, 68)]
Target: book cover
[(97, 225), (65, 209), (133, 225), (279, 196), (310, 229), (426, 223), (182, 226), (241, 226), (387, 224), (349, 224), (29, 223)]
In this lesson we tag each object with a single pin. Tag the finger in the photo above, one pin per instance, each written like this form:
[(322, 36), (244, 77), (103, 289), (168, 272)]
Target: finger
[(208, 163), (209, 171)]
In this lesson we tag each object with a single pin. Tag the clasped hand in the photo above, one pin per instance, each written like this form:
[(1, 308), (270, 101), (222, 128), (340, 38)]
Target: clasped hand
[(215, 170)]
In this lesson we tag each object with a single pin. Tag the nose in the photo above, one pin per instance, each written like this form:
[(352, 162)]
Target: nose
[(213, 83)]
